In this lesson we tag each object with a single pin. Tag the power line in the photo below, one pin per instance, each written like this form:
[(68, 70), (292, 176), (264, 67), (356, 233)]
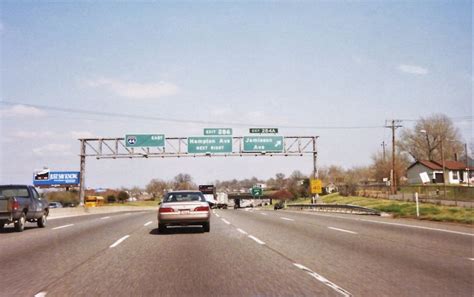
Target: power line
[(460, 118), (177, 120)]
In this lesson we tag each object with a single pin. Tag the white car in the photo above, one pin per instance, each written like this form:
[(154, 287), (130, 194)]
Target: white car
[(184, 208)]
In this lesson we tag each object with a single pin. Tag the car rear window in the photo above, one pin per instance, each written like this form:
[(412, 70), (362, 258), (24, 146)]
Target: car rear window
[(14, 192), (184, 197)]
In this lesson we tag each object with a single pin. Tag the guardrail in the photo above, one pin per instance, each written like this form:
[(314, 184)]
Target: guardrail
[(341, 208)]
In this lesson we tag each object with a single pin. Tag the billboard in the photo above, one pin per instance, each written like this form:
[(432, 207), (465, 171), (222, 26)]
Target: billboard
[(56, 178)]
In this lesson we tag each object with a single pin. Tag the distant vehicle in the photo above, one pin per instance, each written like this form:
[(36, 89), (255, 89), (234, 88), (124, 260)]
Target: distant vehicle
[(209, 192), (94, 201), (279, 205), (184, 208), (55, 205), (222, 200), (246, 203), (22, 203)]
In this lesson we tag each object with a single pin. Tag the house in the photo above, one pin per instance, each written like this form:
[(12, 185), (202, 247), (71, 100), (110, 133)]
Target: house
[(424, 171)]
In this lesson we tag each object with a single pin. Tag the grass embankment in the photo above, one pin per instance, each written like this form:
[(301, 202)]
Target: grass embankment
[(403, 209)]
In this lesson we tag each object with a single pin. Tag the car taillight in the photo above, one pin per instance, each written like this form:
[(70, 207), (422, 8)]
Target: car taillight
[(165, 209), (15, 205), (202, 208)]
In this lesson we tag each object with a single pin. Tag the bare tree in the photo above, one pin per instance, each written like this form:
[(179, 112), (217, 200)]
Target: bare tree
[(278, 182), (183, 181), (157, 187), (424, 141), (381, 168), (295, 184)]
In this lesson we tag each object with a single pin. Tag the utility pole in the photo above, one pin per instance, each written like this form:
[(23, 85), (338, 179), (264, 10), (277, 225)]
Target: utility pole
[(467, 163), (383, 149), (444, 169), (394, 124)]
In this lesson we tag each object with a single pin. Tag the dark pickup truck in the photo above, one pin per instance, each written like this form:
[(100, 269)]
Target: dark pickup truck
[(21, 203)]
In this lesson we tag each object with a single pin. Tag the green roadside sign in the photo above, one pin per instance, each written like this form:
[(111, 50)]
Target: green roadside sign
[(256, 192), (257, 144), (204, 145), (144, 140)]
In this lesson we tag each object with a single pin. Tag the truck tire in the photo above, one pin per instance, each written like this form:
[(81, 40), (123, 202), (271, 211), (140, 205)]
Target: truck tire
[(42, 220), (2, 224), (20, 223), (206, 227)]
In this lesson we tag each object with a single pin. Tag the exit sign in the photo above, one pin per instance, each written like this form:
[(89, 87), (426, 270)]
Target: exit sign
[(217, 131), (263, 130)]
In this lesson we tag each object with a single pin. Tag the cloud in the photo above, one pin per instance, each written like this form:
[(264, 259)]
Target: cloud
[(412, 69), (53, 149), (135, 90), (45, 135), (220, 111), (82, 134), (255, 115), (22, 111), (34, 135)]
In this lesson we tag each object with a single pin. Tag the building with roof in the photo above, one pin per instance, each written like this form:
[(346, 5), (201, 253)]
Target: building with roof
[(423, 172)]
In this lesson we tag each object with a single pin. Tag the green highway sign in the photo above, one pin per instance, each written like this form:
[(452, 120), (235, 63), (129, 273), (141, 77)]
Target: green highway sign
[(263, 130), (203, 145), (218, 131), (144, 140), (260, 144), (256, 192)]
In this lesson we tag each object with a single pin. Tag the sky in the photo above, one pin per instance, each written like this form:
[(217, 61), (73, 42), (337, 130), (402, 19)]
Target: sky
[(333, 69)]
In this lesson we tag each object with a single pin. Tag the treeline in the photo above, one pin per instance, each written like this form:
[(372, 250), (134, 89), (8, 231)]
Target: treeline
[(425, 141)]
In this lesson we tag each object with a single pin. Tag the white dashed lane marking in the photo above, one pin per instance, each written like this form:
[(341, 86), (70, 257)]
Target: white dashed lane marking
[(242, 231), (262, 213), (323, 280), (226, 221), (105, 218), (148, 223), (256, 239), (286, 219), (64, 226), (342, 230), (41, 294), (119, 241)]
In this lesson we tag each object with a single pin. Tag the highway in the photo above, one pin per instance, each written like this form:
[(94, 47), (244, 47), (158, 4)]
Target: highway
[(247, 253)]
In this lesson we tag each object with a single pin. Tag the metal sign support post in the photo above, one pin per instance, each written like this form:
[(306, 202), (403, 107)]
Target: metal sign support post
[(82, 173), (315, 167)]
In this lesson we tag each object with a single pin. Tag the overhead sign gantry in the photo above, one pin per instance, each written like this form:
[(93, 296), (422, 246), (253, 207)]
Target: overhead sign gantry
[(214, 145)]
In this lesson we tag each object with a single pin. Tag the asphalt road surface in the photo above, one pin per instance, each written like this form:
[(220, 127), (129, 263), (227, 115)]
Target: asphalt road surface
[(247, 253)]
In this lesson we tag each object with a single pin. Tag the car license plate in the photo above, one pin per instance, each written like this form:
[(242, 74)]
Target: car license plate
[(186, 211)]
